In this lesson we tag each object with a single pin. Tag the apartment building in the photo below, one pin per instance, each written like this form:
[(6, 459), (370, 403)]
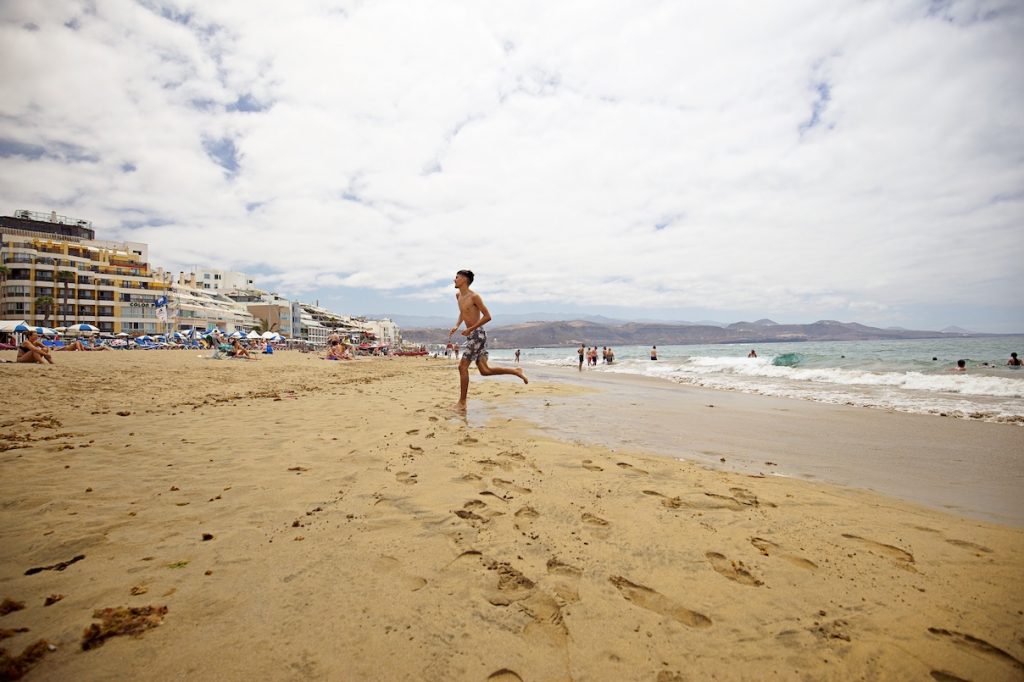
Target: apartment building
[(56, 273), (273, 312), (190, 305), (222, 281)]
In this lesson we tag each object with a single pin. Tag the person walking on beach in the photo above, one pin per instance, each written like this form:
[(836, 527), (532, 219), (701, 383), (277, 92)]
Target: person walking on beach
[(654, 352), (517, 356), (582, 351), (474, 313)]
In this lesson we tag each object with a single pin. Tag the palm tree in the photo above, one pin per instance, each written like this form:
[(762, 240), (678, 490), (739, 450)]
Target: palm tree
[(66, 277), (265, 326), (48, 305)]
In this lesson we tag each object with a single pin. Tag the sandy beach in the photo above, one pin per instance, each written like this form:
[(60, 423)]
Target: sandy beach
[(302, 519)]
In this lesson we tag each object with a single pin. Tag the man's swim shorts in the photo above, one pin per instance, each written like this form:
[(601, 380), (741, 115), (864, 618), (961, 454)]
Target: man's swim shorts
[(475, 345)]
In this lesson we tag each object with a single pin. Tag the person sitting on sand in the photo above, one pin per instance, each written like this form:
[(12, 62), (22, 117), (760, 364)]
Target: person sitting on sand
[(238, 350), (475, 314), (1014, 361), (31, 351)]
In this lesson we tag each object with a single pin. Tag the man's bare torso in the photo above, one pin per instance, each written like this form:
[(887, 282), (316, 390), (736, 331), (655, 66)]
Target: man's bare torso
[(469, 306)]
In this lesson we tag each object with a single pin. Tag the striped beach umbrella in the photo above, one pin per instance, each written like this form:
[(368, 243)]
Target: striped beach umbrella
[(42, 331), (83, 328)]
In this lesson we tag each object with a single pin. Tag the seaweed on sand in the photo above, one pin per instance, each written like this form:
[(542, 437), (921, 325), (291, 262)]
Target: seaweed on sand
[(121, 620), (15, 667)]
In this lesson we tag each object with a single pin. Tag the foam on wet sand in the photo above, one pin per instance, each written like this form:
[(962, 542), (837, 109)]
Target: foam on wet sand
[(305, 519)]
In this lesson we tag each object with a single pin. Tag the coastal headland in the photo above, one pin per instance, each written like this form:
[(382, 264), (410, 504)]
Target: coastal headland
[(291, 518), (550, 334)]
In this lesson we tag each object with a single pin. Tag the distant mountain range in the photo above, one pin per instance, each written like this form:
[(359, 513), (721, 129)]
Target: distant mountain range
[(554, 333)]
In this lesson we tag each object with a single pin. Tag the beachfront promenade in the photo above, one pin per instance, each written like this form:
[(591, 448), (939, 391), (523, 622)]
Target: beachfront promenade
[(301, 519)]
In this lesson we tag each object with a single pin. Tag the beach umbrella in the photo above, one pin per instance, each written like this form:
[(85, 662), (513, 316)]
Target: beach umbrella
[(121, 335), (236, 335), (83, 328), (269, 335), (178, 335), (42, 331), (253, 335)]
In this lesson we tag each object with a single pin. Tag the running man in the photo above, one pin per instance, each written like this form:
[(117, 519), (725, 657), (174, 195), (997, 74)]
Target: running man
[(474, 313)]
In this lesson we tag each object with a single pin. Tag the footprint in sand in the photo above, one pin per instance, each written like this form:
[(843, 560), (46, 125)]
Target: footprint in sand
[(592, 520), (651, 600), (504, 675), (732, 570), (968, 545), (566, 580), (707, 501), (748, 498), (490, 464), (389, 565), (525, 516), (480, 508), (512, 585), (509, 485), (979, 646), (590, 466), (406, 478), (902, 557), (767, 548), (630, 467), (547, 624), (474, 518), (556, 567)]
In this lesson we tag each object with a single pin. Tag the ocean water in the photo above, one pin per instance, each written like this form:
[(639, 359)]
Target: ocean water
[(908, 375)]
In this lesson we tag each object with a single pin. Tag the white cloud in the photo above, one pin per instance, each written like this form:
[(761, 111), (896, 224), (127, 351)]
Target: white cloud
[(849, 159)]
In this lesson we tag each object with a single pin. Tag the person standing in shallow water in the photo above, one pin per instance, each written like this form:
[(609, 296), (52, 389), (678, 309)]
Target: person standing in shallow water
[(654, 352), (475, 315)]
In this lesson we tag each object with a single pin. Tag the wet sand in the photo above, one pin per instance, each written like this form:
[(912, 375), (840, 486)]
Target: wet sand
[(301, 519), (963, 466)]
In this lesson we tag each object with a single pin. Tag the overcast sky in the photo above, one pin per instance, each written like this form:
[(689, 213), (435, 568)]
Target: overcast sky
[(798, 160)]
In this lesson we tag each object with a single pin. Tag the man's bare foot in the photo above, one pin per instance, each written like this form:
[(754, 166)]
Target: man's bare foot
[(459, 407), (519, 373)]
